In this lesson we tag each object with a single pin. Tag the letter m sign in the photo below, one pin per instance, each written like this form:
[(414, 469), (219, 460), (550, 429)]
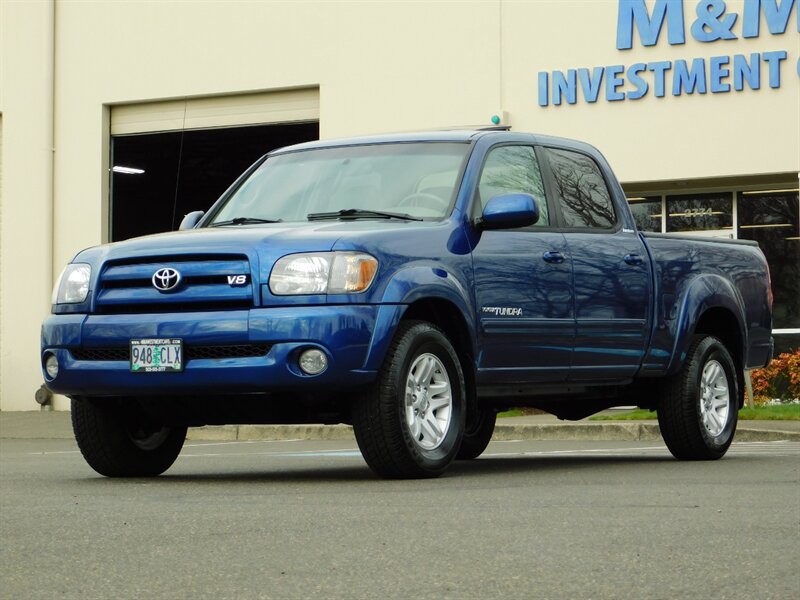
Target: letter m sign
[(634, 12)]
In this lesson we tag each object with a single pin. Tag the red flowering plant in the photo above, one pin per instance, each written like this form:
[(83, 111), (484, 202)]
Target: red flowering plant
[(780, 380)]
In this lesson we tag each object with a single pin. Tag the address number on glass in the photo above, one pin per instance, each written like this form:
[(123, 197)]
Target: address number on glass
[(157, 355)]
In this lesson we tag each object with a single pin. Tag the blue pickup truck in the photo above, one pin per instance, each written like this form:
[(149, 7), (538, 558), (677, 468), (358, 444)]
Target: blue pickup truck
[(411, 285)]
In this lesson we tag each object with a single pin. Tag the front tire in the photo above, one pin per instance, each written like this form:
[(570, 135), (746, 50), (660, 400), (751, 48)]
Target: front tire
[(120, 440), (698, 409), (478, 434), (411, 423)]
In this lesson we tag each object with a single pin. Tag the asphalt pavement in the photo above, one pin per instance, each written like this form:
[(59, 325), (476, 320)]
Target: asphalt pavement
[(307, 519)]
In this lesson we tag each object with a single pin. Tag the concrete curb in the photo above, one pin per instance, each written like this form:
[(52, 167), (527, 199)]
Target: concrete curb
[(766, 435), (612, 431), (56, 425), (615, 431), (271, 432)]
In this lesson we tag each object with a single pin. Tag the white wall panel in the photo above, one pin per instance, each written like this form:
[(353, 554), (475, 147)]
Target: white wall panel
[(216, 111)]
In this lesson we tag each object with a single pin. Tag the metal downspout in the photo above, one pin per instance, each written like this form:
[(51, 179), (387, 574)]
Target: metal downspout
[(50, 120)]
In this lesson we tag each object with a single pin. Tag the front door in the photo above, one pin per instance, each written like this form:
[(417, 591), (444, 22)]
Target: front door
[(523, 282)]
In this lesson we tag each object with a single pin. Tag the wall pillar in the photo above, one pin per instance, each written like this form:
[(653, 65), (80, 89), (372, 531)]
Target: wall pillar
[(27, 35)]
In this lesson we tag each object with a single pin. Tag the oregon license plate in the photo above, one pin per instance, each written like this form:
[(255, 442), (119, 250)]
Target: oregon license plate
[(157, 355)]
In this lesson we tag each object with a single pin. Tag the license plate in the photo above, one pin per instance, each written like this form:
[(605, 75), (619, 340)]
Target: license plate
[(157, 355)]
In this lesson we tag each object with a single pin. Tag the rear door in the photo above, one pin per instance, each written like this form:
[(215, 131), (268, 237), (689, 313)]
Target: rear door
[(523, 281), (612, 291)]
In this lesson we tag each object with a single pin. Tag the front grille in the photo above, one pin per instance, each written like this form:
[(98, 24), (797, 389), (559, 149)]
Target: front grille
[(106, 353), (217, 352), (208, 282), (191, 352), (154, 308)]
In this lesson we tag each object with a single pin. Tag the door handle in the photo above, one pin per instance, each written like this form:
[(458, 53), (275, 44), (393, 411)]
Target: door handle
[(552, 256), (633, 259)]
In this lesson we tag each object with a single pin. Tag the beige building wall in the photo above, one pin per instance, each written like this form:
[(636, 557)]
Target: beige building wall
[(26, 234), (379, 66)]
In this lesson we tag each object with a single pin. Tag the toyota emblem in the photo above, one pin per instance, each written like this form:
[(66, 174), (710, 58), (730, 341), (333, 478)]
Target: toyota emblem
[(166, 279)]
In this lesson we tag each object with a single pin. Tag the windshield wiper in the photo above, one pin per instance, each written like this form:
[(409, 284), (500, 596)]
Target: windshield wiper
[(360, 213), (245, 221)]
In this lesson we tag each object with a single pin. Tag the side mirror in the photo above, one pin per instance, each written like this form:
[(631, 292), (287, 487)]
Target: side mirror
[(190, 220), (508, 211)]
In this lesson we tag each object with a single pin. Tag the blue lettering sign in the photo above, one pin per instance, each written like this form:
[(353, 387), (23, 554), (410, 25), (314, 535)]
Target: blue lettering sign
[(718, 73), (634, 12), (565, 86), (659, 70), (543, 88), (776, 12), (591, 85), (639, 82), (712, 23), (689, 79), (744, 71), (774, 60), (614, 82)]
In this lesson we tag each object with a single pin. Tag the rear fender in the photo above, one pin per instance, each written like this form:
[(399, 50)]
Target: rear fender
[(704, 293)]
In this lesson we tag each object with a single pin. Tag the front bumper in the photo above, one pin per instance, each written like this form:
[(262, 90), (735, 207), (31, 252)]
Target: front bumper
[(353, 337)]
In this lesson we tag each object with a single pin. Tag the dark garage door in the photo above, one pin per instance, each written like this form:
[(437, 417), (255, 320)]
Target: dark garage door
[(159, 177)]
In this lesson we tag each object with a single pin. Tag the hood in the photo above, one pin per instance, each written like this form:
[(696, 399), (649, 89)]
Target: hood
[(267, 242)]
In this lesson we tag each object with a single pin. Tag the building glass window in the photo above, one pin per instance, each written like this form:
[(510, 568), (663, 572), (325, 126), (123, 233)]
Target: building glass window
[(769, 217), (700, 212), (772, 218), (646, 213)]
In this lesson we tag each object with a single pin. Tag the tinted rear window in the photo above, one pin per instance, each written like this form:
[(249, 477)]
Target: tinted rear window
[(584, 197)]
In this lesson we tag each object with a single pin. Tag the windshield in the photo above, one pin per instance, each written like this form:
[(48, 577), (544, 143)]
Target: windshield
[(410, 179)]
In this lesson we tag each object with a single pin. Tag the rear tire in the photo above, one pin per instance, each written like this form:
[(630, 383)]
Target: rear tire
[(120, 440), (478, 434), (699, 407), (411, 422)]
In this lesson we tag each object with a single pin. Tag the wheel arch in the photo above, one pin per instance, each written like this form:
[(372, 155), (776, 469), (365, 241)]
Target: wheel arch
[(713, 306), (722, 324), (447, 317), (431, 293)]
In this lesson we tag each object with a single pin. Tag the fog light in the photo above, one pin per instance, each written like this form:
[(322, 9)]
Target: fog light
[(313, 361), (51, 366)]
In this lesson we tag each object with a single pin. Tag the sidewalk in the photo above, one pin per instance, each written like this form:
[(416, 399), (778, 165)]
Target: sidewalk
[(56, 425)]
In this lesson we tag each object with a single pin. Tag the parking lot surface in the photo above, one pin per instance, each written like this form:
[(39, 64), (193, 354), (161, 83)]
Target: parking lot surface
[(301, 519)]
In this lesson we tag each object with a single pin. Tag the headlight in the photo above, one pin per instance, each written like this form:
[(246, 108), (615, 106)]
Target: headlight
[(322, 273), (73, 284)]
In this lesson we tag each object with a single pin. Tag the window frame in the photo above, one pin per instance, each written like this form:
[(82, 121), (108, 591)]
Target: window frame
[(552, 188), (476, 209)]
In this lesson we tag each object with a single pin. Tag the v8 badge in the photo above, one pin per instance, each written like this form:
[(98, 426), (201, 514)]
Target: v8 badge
[(237, 280)]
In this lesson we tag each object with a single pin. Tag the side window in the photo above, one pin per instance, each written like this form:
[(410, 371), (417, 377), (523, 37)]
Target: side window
[(583, 195), (513, 169)]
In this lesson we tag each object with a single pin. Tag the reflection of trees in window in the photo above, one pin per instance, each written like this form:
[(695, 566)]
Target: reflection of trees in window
[(769, 209), (647, 213), (510, 170), (585, 199), (773, 220), (700, 212)]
